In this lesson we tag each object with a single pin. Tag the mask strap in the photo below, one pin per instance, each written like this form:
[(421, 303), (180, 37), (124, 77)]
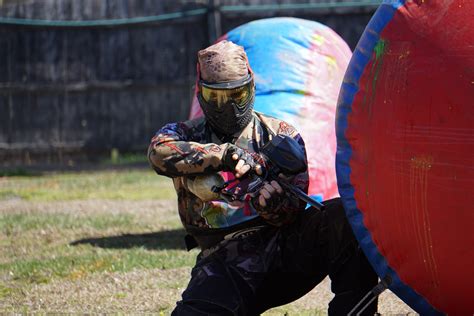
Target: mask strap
[(198, 77)]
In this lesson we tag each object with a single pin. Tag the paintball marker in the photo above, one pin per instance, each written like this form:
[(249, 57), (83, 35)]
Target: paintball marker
[(283, 156)]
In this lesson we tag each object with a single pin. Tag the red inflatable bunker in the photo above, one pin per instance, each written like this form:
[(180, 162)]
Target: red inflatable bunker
[(405, 160)]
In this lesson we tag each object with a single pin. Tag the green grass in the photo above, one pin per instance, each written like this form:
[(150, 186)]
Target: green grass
[(46, 243), (40, 247), (39, 244), (122, 185), (25, 222), (82, 262), (17, 172)]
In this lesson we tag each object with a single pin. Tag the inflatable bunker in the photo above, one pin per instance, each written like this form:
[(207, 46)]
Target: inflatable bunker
[(405, 151), (299, 66)]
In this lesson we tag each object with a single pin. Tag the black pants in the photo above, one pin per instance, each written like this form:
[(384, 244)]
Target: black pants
[(275, 266)]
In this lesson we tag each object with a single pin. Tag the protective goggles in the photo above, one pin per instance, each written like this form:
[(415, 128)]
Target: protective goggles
[(219, 94)]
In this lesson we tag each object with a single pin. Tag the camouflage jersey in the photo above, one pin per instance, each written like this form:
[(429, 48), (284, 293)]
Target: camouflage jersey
[(184, 150)]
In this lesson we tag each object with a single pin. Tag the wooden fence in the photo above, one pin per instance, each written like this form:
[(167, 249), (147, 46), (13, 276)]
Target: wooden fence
[(79, 78)]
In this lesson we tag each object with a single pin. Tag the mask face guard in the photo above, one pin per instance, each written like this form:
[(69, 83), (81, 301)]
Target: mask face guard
[(227, 120)]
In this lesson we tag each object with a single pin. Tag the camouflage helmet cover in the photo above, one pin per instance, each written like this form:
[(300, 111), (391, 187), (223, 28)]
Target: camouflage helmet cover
[(223, 62)]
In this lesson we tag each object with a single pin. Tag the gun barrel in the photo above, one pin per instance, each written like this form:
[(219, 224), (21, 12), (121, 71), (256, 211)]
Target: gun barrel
[(303, 196)]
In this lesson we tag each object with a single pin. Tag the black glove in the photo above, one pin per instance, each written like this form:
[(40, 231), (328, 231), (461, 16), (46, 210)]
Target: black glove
[(269, 204), (229, 163)]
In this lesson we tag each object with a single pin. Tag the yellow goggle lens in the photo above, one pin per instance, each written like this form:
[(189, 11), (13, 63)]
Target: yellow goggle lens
[(220, 97)]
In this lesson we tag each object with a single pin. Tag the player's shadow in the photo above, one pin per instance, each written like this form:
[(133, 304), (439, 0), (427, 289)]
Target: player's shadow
[(170, 239)]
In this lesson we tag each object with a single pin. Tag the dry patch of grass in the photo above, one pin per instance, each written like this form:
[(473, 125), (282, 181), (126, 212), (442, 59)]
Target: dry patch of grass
[(137, 291), (66, 256), (112, 184), (105, 242)]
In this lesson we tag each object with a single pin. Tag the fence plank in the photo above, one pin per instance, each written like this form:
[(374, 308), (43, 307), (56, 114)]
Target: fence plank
[(90, 89)]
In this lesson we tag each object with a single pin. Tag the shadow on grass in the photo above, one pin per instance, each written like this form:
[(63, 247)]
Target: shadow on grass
[(170, 239)]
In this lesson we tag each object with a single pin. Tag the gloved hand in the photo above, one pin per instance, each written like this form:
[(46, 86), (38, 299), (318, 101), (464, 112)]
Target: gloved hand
[(270, 195), (239, 161), (269, 204)]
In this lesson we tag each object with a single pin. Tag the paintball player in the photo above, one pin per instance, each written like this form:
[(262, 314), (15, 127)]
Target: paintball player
[(266, 249)]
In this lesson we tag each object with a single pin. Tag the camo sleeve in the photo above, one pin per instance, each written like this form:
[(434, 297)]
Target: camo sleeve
[(176, 151)]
